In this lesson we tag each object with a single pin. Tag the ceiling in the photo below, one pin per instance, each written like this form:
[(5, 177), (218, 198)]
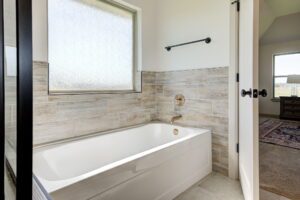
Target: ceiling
[(284, 29), (284, 7), (272, 9)]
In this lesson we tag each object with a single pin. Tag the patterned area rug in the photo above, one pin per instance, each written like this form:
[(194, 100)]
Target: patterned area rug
[(280, 132)]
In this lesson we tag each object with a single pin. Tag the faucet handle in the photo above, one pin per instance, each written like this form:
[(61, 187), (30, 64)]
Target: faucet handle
[(179, 100)]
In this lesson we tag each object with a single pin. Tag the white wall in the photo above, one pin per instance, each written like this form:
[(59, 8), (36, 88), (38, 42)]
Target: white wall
[(266, 106), (165, 22), (149, 30), (39, 30), (187, 20)]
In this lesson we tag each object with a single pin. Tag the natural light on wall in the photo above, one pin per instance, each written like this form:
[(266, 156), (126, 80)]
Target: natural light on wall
[(286, 67), (91, 46)]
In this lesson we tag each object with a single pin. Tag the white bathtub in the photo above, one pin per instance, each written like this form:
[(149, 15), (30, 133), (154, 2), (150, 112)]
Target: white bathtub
[(143, 163)]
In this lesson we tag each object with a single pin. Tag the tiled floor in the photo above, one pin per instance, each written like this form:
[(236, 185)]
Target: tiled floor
[(219, 187), (214, 187)]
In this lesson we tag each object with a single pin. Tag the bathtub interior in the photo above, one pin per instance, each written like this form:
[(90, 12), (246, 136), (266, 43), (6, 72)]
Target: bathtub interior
[(76, 158)]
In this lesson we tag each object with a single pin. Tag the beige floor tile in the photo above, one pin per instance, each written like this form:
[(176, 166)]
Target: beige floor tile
[(214, 187)]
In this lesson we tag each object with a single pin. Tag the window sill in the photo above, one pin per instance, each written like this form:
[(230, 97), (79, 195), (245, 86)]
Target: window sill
[(54, 93), (275, 100)]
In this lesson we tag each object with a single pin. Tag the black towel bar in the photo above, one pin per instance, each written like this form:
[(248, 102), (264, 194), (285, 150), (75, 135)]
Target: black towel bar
[(206, 40)]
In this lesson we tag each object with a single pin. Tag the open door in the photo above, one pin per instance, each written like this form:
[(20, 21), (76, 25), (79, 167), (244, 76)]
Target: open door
[(248, 101)]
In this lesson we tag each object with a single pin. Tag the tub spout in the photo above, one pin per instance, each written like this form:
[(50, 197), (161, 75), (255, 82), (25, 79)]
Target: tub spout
[(174, 118)]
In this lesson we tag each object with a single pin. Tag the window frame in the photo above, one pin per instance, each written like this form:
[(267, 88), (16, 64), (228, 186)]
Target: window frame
[(273, 69), (137, 53)]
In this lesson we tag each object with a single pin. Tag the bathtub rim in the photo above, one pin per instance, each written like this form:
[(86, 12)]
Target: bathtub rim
[(99, 133), (66, 182)]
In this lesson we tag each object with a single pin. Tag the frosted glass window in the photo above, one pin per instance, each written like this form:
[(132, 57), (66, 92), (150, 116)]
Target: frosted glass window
[(91, 46)]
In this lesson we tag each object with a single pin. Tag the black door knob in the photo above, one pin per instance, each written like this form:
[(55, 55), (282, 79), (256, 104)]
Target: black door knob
[(262, 93), (245, 93)]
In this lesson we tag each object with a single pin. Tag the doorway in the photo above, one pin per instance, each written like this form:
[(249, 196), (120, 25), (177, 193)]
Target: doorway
[(279, 112)]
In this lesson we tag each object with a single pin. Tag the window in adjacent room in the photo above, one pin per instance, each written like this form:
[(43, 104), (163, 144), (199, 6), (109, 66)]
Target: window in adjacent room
[(93, 46), (286, 75)]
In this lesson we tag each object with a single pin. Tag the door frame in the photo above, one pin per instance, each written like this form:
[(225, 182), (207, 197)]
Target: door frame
[(2, 108), (233, 93), (24, 100), (233, 128)]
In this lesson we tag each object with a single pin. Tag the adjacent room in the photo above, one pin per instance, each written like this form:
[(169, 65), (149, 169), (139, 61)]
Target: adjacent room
[(279, 74)]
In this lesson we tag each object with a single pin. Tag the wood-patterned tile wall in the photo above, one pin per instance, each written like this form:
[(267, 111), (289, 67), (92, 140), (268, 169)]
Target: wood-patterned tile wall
[(59, 117), (206, 105)]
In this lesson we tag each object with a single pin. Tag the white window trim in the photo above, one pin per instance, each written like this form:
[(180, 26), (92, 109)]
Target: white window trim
[(137, 53), (276, 99)]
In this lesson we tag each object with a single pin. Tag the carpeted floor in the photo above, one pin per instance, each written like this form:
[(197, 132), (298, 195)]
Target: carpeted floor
[(280, 132), (280, 170)]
